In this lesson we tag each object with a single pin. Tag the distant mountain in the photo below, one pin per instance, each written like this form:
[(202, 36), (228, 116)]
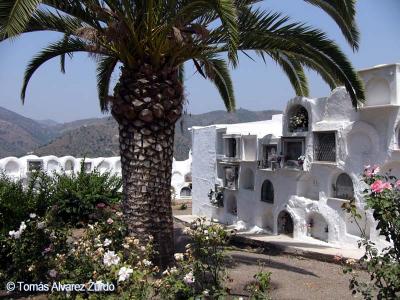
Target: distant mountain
[(19, 134), (98, 136)]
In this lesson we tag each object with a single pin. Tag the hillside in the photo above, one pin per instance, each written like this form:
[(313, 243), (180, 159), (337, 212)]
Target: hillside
[(98, 137), (19, 135)]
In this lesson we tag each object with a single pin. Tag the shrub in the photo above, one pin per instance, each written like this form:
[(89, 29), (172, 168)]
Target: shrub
[(104, 254), (183, 206), (76, 197), (201, 271), (26, 251), (259, 289), (14, 203), (382, 196)]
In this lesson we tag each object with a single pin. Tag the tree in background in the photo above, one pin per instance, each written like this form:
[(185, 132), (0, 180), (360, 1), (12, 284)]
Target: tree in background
[(151, 40)]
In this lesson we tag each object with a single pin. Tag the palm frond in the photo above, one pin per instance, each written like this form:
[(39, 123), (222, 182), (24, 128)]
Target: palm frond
[(105, 68), (15, 15), (343, 13), (53, 50), (273, 33), (217, 71), (294, 71), (43, 20)]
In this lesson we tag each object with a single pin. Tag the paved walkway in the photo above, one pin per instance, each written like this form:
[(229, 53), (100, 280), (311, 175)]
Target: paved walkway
[(308, 247)]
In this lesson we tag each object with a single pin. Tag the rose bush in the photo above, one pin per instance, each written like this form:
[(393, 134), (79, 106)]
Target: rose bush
[(382, 196)]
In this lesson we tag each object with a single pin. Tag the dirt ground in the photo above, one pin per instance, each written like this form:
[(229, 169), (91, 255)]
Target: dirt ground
[(293, 277)]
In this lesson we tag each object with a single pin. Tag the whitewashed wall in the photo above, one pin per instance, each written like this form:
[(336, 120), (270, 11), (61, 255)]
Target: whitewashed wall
[(367, 136), (17, 168)]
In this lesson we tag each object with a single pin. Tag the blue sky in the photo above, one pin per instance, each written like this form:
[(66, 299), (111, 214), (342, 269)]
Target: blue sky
[(52, 95)]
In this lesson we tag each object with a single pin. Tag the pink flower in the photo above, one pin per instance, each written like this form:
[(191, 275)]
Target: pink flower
[(100, 205), (397, 184), (110, 221), (376, 170), (379, 186)]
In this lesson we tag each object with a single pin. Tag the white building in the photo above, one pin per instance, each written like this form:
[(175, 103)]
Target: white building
[(291, 174), (21, 168)]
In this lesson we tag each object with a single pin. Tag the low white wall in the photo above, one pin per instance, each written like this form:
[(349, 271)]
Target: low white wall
[(18, 168)]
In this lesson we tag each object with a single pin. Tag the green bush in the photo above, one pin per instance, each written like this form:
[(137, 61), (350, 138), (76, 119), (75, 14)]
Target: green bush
[(82, 196), (26, 251), (14, 203), (65, 198)]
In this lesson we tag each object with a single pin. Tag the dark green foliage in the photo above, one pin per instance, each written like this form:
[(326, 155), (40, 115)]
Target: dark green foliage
[(67, 198), (14, 203), (76, 196)]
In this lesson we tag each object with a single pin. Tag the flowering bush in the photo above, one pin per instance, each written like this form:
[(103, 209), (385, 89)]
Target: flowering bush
[(383, 197), (25, 252), (106, 254), (200, 271)]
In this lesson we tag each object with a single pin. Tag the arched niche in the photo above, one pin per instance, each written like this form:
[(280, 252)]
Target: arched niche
[(104, 166), (362, 140), (12, 167), (267, 192), (69, 165), (359, 143), (297, 119), (377, 92), (343, 187), (185, 192), (231, 205), (247, 179), (317, 227), (53, 165), (285, 223)]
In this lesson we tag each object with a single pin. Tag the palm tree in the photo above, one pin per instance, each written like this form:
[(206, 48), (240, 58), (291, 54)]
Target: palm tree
[(151, 40)]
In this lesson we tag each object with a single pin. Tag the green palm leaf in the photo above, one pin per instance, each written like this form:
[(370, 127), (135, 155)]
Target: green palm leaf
[(53, 50)]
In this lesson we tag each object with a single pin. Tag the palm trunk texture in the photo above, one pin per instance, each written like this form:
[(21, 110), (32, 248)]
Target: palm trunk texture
[(147, 103)]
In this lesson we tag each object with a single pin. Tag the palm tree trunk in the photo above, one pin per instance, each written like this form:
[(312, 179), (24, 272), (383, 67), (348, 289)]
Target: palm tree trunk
[(146, 106)]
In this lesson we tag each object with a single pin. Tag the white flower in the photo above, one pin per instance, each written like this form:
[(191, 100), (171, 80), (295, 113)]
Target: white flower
[(186, 230), (206, 293), (178, 256), (107, 242), (147, 263), (40, 225), (124, 273), (91, 226), (143, 248), (32, 215), (136, 242), (53, 273), (22, 227), (173, 270), (189, 278), (110, 258), (119, 214), (110, 221)]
